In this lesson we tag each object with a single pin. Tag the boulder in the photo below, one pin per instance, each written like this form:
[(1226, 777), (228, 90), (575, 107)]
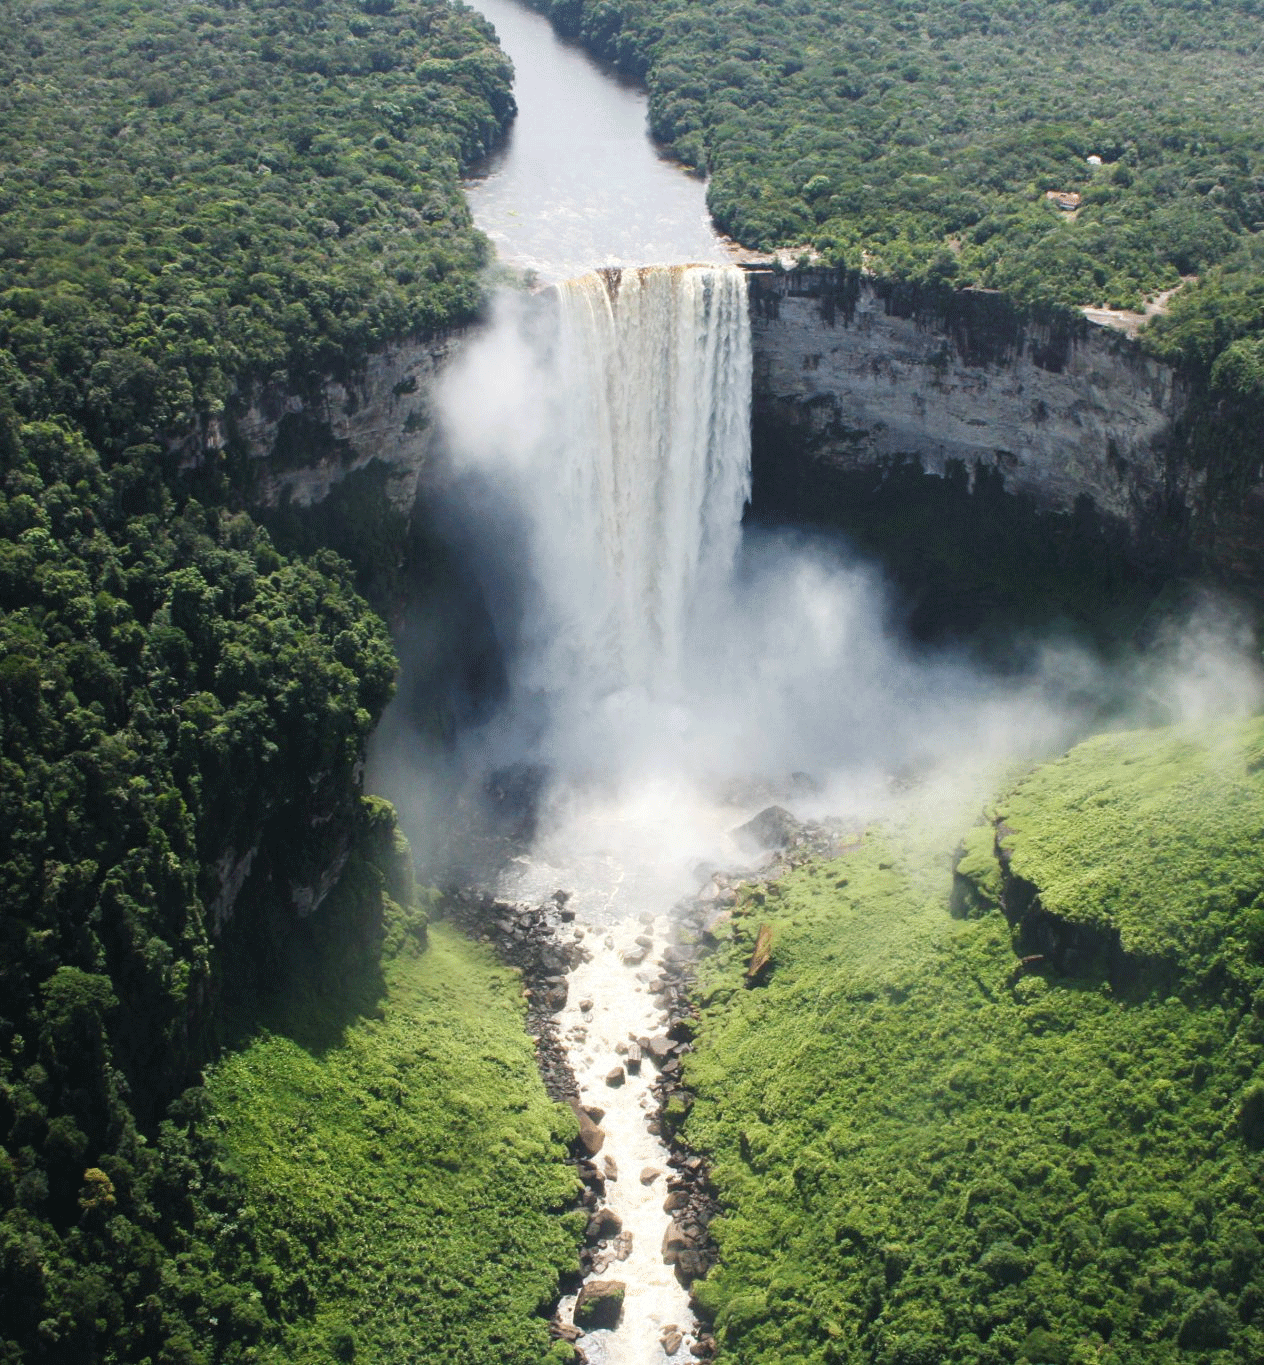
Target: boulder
[(591, 1176), (615, 1077), (661, 1048), (674, 1242), (590, 1136), (690, 1265), (773, 827), (603, 1225), (671, 1342), (600, 1304)]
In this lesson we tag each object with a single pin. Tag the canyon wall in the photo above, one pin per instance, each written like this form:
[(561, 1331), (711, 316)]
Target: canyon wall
[(301, 445), (854, 376), (859, 386)]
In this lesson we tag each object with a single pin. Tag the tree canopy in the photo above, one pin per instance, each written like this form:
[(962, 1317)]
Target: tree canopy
[(923, 140), (194, 194), (193, 198)]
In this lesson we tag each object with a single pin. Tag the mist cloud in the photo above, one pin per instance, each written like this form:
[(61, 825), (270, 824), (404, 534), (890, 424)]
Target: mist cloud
[(790, 661)]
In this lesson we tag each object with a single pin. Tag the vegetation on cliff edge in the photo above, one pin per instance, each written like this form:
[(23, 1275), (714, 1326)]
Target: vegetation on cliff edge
[(923, 140), (196, 194)]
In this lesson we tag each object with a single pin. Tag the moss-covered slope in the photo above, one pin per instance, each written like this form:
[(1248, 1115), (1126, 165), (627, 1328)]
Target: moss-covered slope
[(1156, 839), (928, 1151)]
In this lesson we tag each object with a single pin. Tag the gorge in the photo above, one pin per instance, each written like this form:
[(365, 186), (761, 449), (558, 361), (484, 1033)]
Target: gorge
[(653, 704), (834, 698)]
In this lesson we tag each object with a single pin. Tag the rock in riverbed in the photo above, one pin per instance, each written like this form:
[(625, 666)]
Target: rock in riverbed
[(590, 1136), (603, 1225), (600, 1304)]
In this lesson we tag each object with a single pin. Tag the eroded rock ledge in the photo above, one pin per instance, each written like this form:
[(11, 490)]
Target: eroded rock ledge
[(302, 444)]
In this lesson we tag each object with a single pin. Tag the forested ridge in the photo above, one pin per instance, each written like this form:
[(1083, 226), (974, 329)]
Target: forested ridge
[(195, 195), (921, 141), (196, 199)]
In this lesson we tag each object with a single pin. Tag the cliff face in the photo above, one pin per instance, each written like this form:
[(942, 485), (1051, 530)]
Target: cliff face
[(852, 376), (302, 446), (862, 388)]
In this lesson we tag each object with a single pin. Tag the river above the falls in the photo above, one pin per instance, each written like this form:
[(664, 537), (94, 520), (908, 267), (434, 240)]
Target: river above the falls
[(578, 183)]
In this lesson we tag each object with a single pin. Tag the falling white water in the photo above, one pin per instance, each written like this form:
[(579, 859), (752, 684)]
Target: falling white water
[(612, 414), (650, 467), (649, 464)]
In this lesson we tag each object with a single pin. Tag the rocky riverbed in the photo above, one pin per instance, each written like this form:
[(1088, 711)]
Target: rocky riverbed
[(609, 1007)]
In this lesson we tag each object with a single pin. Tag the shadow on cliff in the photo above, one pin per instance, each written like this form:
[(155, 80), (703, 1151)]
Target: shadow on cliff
[(972, 564)]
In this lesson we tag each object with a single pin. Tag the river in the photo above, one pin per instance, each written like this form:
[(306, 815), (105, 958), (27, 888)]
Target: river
[(578, 183), (667, 672)]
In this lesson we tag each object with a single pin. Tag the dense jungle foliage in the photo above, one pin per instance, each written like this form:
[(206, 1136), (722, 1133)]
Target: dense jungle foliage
[(195, 198), (177, 703), (405, 1178), (921, 139), (199, 194), (930, 1150)]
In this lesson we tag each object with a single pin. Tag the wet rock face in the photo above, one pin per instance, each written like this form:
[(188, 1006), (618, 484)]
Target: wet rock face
[(513, 796), (380, 412)]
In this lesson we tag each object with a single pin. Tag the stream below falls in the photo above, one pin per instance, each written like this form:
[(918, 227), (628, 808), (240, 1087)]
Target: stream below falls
[(625, 494)]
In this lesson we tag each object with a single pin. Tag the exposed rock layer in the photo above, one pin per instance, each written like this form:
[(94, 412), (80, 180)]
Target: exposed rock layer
[(852, 375), (302, 444)]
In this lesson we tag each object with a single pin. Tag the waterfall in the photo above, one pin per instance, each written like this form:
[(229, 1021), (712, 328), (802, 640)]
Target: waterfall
[(649, 464)]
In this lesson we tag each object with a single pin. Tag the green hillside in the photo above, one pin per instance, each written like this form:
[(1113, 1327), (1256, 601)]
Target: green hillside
[(928, 1151), (195, 198)]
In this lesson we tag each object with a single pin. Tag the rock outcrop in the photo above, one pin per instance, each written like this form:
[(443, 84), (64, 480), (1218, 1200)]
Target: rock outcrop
[(600, 1304)]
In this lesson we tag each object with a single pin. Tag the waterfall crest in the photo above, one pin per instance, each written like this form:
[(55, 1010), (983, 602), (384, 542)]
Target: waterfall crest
[(649, 461)]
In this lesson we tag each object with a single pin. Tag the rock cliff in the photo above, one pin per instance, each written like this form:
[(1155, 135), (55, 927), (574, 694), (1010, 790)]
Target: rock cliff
[(302, 445), (858, 376)]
